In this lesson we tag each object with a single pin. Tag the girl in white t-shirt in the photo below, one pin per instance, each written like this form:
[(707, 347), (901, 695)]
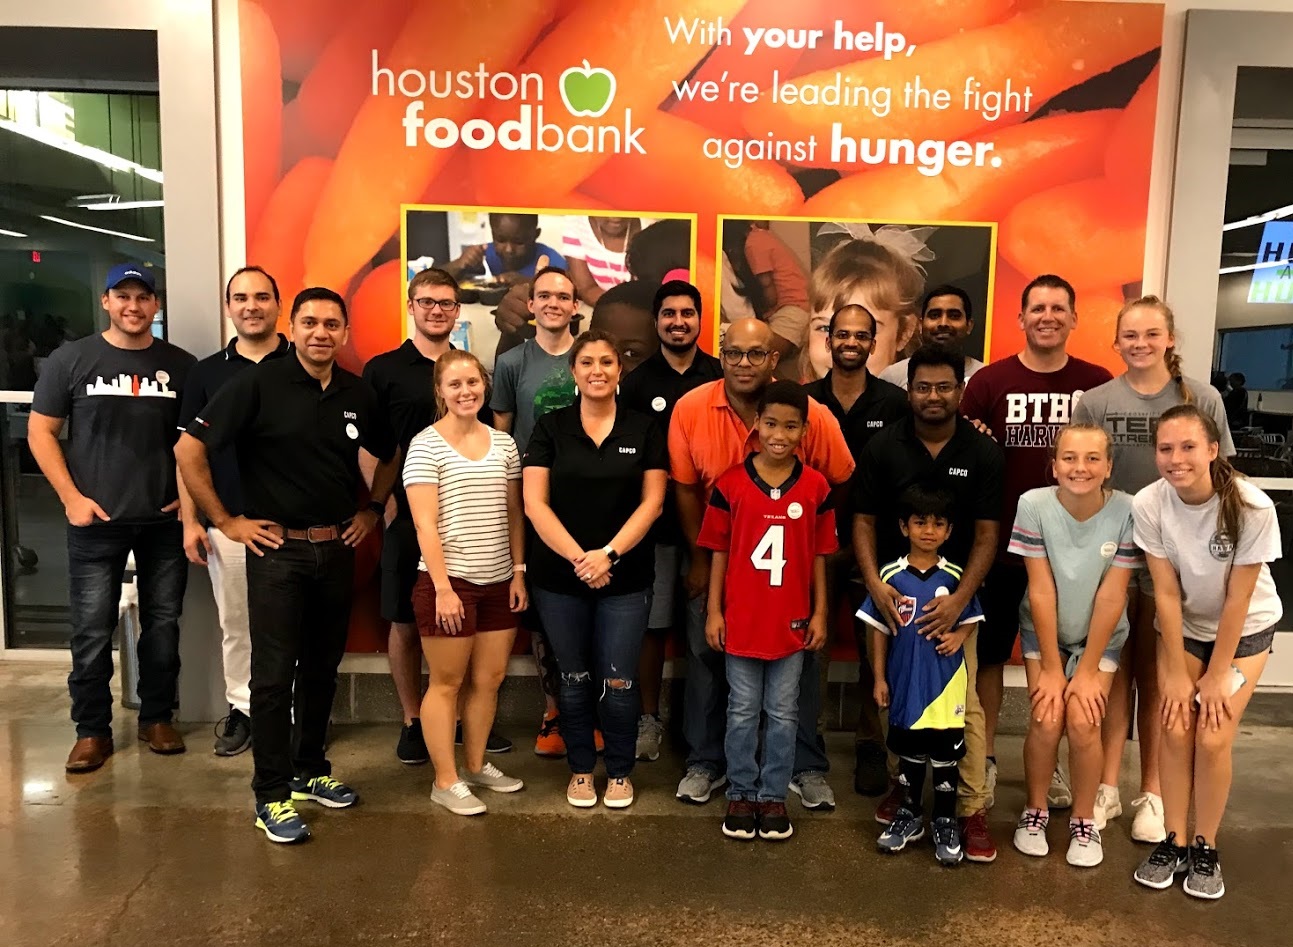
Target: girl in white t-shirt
[(1076, 542), (1208, 535), (463, 481)]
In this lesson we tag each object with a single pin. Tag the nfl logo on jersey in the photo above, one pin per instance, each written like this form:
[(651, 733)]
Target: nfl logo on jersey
[(907, 609)]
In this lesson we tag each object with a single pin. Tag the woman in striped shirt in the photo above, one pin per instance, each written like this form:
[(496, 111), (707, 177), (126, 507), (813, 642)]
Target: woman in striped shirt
[(463, 481)]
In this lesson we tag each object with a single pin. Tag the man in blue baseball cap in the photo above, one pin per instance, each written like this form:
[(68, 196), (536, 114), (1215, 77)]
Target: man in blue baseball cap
[(116, 478)]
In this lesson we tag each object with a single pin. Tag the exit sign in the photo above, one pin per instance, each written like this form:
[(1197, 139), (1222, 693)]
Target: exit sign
[(1273, 278)]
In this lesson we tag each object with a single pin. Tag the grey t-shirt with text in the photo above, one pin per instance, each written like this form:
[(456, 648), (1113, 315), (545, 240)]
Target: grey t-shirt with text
[(1129, 417)]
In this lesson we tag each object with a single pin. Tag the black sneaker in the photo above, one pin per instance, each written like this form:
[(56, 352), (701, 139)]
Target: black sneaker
[(1164, 863), (774, 822), (493, 743), (871, 773), (235, 735), (412, 749), (742, 820), (1203, 879)]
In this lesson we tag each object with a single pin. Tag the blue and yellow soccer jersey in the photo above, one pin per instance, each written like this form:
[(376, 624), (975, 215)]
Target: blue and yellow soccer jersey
[(927, 690)]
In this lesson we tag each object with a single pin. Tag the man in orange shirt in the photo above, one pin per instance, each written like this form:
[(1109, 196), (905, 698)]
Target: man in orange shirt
[(712, 429)]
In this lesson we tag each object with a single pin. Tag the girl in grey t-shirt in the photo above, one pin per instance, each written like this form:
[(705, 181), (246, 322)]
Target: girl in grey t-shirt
[(1208, 535), (1128, 407), (1076, 542)]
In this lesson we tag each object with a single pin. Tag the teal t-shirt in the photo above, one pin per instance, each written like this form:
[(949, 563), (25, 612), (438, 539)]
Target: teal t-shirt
[(1079, 554), (528, 383)]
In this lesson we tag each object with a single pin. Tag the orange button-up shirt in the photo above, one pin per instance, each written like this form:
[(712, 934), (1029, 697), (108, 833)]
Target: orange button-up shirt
[(707, 436)]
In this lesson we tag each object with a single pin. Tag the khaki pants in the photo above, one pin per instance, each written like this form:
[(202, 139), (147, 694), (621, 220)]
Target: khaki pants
[(972, 794)]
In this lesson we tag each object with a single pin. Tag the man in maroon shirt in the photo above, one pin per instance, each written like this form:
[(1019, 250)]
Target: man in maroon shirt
[(1024, 401)]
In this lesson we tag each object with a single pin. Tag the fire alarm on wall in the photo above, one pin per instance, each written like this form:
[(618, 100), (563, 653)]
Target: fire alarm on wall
[(35, 256)]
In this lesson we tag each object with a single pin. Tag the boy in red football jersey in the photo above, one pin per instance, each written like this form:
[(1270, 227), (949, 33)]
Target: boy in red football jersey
[(770, 525)]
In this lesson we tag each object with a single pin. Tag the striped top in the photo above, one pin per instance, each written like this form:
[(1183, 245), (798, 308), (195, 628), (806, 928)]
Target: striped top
[(1079, 555), (472, 503), (580, 243)]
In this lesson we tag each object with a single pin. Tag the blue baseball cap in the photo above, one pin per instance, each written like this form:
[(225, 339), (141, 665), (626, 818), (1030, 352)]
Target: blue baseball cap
[(130, 271)]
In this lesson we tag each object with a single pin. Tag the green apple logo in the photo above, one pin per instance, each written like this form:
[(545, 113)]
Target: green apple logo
[(587, 91)]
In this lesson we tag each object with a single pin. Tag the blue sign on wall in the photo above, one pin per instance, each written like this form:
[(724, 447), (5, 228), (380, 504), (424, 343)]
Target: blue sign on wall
[(1273, 280)]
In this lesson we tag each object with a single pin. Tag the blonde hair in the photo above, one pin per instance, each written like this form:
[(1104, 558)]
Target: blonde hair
[(1171, 357), (442, 364), (891, 282), (1084, 427)]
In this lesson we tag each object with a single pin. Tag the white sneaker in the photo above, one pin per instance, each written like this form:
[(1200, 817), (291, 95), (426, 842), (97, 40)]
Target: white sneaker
[(491, 777), (650, 733), (990, 781), (1148, 826), (1108, 805), (1085, 850), (1030, 833), (1060, 793), (458, 799)]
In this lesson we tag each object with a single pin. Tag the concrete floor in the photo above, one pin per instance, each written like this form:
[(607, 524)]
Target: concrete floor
[(154, 850)]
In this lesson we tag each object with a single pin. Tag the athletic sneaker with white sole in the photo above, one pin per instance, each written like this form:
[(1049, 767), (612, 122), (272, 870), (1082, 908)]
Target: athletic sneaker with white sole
[(1203, 879), (1030, 833), (491, 777), (1147, 825), (281, 823), (1060, 793), (650, 735), (947, 842), (698, 785), (906, 827), (458, 799), (1164, 863), (1108, 805), (1085, 848), (815, 794)]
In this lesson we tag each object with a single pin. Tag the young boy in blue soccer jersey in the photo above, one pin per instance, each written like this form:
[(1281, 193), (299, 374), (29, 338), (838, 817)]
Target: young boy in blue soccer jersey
[(923, 681)]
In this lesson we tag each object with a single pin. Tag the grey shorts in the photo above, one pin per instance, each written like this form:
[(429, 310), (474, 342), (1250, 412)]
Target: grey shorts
[(1257, 643), (664, 592)]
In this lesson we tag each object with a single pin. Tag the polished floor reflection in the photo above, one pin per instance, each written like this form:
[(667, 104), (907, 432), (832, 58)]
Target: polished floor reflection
[(154, 850)]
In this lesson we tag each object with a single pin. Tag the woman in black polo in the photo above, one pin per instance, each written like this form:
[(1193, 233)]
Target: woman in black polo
[(594, 483)]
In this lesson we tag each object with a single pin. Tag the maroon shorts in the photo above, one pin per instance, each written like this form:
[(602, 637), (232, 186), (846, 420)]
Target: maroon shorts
[(488, 607)]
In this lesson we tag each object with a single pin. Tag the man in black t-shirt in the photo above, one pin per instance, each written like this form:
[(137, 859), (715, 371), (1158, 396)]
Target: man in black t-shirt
[(252, 304), (653, 388), (118, 393), (297, 424), (864, 405)]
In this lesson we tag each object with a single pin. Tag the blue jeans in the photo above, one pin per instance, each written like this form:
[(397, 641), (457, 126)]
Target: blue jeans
[(597, 640), (96, 562), (770, 689), (704, 708)]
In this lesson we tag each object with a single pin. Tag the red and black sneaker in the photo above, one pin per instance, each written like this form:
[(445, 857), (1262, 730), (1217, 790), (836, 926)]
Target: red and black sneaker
[(742, 820), (979, 846), (891, 803), (774, 822)]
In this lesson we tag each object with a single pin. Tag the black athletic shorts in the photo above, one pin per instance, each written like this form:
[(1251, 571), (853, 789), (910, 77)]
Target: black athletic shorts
[(399, 570), (1000, 596), (944, 746)]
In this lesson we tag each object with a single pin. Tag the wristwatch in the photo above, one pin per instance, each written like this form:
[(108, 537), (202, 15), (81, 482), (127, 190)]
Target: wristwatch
[(611, 554), (377, 507)]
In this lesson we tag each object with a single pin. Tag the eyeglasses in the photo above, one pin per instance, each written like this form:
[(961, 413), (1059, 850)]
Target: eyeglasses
[(756, 357), (843, 335), (942, 387), (444, 305)]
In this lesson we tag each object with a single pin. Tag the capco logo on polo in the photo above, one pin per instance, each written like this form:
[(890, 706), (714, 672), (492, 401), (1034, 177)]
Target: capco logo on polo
[(585, 91), (628, 450)]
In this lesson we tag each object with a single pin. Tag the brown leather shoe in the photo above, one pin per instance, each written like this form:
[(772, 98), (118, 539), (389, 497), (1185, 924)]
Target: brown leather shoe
[(162, 738), (88, 754)]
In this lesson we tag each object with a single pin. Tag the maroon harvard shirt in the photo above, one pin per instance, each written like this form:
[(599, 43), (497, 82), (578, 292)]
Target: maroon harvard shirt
[(772, 537), (1026, 410)]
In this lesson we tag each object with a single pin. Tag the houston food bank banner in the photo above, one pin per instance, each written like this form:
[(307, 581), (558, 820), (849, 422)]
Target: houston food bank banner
[(888, 145)]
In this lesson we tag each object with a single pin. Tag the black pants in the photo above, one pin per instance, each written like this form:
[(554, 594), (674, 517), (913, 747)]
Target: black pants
[(298, 605)]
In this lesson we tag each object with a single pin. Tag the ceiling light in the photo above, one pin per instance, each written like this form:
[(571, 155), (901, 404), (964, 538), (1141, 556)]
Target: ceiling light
[(111, 233), (11, 233), (121, 205), (1252, 266), (105, 158), (1278, 213)]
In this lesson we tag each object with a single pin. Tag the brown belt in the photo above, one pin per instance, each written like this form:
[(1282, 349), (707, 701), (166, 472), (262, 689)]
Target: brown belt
[(314, 534)]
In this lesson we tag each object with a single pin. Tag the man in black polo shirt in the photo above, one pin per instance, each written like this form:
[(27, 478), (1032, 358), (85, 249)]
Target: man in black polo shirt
[(653, 388), (938, 448), (404, 380), (252, 304), (864, 405), (297, 424), (117, 393)]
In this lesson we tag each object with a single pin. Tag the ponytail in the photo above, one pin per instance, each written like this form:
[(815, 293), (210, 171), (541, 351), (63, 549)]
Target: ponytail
[(1171, 357), (1225, 478)]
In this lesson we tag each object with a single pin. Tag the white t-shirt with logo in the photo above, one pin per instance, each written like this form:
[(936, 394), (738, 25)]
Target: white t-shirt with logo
[(1188, 538)]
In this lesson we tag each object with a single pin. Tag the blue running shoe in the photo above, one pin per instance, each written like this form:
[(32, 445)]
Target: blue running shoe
[(947, 842), (905, 827), (279, 821), (324, 790)]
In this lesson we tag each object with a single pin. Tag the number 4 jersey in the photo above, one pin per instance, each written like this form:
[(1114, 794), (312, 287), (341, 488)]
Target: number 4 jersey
[(773, 536)]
